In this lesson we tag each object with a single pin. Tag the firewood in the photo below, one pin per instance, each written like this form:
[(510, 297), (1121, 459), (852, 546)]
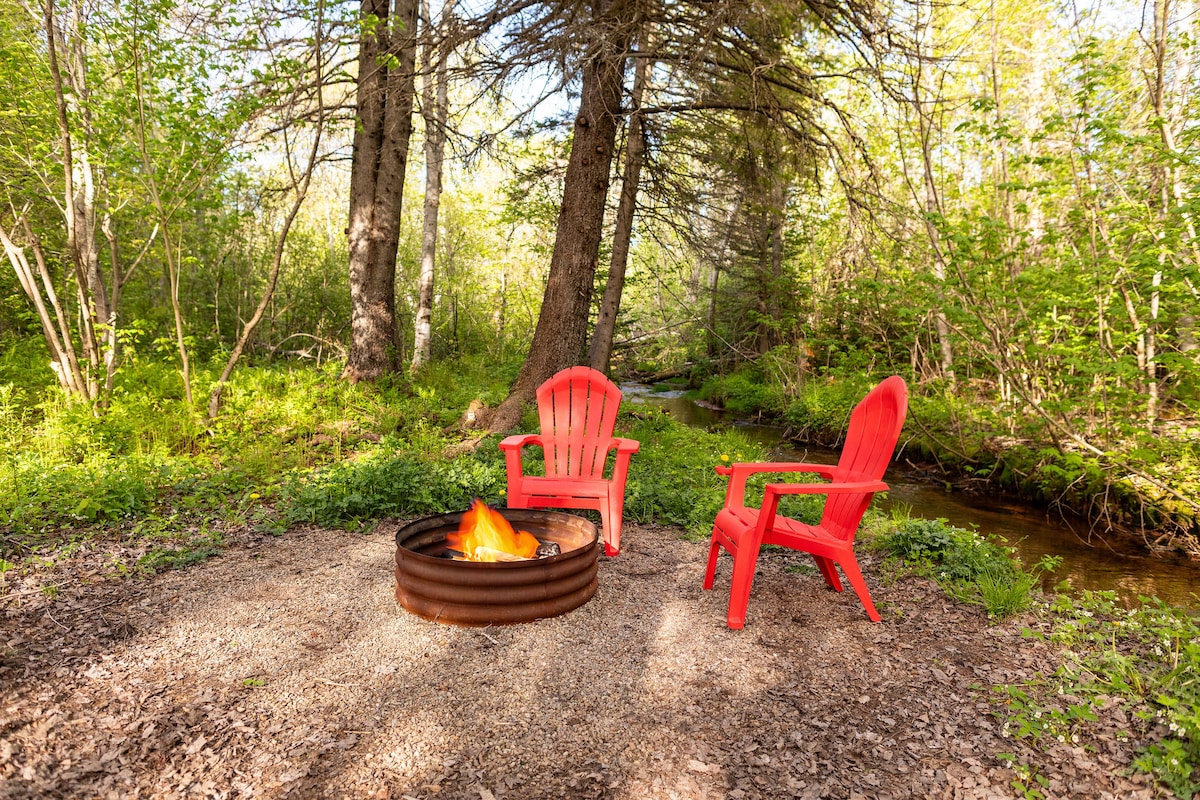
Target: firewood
[(482, 552)]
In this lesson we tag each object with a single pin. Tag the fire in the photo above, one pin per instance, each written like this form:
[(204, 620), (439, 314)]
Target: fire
[(485, 535)]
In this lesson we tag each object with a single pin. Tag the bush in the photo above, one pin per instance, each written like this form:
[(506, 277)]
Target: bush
[(399, 483), (744, 393), (971, 568), (822, 411)]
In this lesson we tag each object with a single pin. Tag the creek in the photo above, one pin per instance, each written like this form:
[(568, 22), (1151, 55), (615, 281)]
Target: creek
[(1090, 560)]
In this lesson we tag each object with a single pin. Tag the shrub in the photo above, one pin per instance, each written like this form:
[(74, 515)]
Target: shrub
[(971, 568), (397, 483)]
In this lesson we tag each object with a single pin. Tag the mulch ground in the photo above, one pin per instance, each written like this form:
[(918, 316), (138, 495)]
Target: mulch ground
[(285, 669)]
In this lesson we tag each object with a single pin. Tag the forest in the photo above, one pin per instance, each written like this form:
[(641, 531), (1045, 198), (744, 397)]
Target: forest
[(776, 202), (304, 262)]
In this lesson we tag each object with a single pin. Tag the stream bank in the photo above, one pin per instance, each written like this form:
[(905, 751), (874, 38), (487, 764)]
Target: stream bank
[(1091, 560)]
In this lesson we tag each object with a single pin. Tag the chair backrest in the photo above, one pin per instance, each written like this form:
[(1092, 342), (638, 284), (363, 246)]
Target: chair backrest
[(875, 426), (577, 411)]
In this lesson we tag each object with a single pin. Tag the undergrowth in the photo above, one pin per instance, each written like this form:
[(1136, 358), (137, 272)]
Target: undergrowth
[(1142, 664), (971, 568), (1142, 480), (69, 471)]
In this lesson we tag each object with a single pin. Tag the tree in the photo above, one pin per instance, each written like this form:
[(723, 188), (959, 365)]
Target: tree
[(600, 350), (384, 102), (561, 332), (434, 111), (300, 176)]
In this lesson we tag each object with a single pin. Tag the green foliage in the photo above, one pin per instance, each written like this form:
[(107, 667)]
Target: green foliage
[(744, 393), (822, 410), (1028, 780), (394, 483), (1143, 660), (151, 466), (970, 567), (196, 550), (671, 478)]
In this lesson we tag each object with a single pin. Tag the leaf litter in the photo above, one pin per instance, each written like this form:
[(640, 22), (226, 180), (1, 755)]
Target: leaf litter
[(286, 669)]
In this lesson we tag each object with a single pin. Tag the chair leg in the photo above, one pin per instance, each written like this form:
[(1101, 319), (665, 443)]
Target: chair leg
[(714, 550), (855, 576), (516, 498), (745, 560), (829, 572), (610, 521)]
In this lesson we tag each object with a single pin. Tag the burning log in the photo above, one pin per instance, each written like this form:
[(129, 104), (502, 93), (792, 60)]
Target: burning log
[(485, 535), (485, 553)]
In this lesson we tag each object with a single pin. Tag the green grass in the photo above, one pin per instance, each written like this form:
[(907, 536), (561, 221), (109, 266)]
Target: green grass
[(297, 445), (69, 472), (969, 567)]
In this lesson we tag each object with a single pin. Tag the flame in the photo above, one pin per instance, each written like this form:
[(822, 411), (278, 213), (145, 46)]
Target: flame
[(485, 535)]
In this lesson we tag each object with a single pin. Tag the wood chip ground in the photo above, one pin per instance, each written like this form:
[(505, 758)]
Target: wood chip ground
[(285, 669)]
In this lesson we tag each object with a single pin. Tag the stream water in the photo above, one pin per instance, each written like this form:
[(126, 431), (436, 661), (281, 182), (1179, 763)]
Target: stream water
[(1090, 560)]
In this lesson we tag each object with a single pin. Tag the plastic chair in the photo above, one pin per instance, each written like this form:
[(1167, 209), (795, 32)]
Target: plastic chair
[(871, 439), (577, 411)]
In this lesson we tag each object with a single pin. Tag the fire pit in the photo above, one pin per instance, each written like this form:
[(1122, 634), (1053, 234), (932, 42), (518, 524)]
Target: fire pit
[(432, 584)]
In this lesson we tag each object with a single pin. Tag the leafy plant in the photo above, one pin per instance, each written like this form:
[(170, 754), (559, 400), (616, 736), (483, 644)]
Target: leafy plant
[(163, 558), (970, 567), (395, 482), (1146, 657)]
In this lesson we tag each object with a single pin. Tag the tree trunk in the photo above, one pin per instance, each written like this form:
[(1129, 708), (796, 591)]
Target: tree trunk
[(770, 264), (434, 109), (561, 333), (600, 352), (78, 199), (386, 61), (55, 329)]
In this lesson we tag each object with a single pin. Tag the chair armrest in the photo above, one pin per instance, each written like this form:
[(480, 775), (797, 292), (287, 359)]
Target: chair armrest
[(850, 487), (772, 492), (625, 449), (519, 440), (740, 471), (746, 469), (624, 445)]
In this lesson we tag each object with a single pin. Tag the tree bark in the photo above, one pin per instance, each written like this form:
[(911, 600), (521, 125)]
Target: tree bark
[(600, 351), (55, 329), (561, 333), (434, 109), (386, 80)]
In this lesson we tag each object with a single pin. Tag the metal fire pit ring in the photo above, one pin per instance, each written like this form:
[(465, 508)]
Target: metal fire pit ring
[(503, 593)]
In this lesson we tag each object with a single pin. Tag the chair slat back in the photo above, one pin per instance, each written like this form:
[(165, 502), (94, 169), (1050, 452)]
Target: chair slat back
[(875, 426), (577, 411)]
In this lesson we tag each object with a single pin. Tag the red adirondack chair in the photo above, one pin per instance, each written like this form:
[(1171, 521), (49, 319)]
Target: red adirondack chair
[(871, 439), (577, 411)]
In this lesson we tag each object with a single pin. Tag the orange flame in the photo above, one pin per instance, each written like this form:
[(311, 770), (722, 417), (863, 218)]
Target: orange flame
[(485, 535)]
